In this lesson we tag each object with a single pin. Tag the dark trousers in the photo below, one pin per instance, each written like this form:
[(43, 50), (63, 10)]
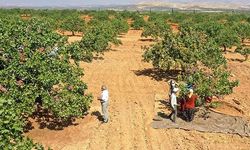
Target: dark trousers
[(189, 114)]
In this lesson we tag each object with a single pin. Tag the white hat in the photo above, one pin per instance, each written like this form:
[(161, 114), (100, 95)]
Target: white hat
[(175, 89), (191, 91), (172, 82), (104, 87)]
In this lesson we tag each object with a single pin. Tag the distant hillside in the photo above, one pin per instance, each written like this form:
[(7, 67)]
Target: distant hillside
[(202, 5), (209, 1), (198, 4)]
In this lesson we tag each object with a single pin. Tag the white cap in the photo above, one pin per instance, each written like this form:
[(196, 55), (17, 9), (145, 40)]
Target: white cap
[(104, 87), (191, 91), (175, 89)]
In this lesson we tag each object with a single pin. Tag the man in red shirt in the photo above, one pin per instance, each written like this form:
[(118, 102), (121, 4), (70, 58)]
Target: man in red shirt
[(189, 105)]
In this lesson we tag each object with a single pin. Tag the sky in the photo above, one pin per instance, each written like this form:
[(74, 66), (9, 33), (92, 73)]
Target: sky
[(98, 2), (65, 2)]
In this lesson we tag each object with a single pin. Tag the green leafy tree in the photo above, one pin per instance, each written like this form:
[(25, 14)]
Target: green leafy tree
[(197, 57), (224, 35), (100, 15), (73, 24), (243, 30), (79, 52), (243, 51), (126, 14), (138, 22), (33, 63), (155, 29), (209, 84), (120, 25), (97, 37), (96, 40), (228, 38), (183, 51)]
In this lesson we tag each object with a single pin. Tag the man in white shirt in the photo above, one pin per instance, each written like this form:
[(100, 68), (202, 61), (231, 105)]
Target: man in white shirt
[(104, 99), (173, 100)]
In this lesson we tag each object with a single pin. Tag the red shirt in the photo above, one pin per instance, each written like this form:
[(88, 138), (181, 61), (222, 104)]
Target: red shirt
[(190, 102)]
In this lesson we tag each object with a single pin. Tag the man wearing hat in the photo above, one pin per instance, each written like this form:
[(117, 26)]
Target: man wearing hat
[(104, 99), (189, 106), (173, 100)]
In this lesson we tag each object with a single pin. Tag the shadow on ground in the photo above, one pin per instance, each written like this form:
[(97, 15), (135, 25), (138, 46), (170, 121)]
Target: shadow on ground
[(147, 40), (45, 119), (97, 114), (164, 111), (158, 74), (236, 59), (98, 58), (161, 113)]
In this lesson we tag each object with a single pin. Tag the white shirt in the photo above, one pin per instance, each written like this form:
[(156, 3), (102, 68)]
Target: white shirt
[(173, 100), (105, 95), (173, 97)]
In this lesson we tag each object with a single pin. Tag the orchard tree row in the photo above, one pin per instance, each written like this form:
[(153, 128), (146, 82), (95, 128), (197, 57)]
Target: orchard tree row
[(36, 73), (196, 53), (227, 30)]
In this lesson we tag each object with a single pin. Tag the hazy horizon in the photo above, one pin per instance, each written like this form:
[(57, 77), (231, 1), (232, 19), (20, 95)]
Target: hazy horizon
[(63, 3)]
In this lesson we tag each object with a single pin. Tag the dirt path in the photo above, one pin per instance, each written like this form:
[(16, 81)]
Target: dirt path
[(131, 97), (132, 90)]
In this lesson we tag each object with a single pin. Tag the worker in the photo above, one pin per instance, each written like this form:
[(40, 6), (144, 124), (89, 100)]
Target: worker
[(104, 99), (173, 100), (189, 106), (172, 84)]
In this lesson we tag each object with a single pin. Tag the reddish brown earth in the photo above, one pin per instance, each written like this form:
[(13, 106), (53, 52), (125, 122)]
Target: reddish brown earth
[(77, 37), (173, 26), (69, 33), (87, 18), (145, 18), (132, 107), (72, 39), (130, 21), (25, 16)]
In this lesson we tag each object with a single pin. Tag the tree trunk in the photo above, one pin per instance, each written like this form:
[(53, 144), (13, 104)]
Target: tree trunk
[(242, 40), (225, 48), (73, 33), (246, 57)]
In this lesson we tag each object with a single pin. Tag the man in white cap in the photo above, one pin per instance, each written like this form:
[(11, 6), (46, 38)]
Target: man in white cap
[(173, 100), (104, 99)]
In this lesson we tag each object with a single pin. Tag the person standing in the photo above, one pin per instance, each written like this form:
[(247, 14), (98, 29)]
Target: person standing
[(173, 100), (172, 85), (104, 99), (189, 106), (173, 103)]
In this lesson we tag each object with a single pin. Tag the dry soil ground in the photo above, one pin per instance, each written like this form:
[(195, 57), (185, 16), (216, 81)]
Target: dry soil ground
[(133, 86)]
